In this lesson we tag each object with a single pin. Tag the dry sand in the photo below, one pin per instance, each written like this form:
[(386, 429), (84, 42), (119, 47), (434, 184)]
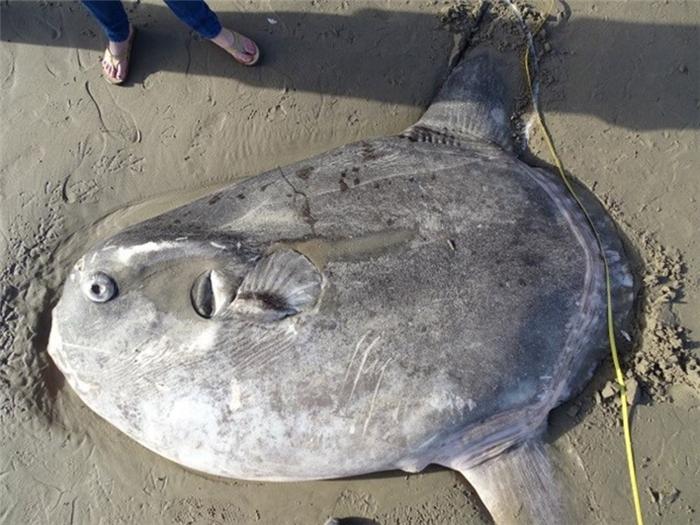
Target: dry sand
[(80, 159)]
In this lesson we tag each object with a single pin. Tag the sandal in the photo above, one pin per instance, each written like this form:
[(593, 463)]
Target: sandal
[(239, 47), (116, 60)]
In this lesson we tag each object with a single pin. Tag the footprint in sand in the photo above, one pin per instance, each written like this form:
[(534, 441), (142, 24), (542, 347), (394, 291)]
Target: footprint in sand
[(204, 133), (114, 121), (7, 68)]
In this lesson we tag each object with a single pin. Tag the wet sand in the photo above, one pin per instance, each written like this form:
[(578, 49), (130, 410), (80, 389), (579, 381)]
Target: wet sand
[(80, 159)]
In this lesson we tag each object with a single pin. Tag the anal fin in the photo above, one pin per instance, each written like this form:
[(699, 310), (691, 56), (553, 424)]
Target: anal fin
[(517, 486)]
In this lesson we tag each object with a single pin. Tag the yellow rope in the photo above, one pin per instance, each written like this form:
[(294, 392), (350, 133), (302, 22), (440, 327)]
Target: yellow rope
[(619, 377)]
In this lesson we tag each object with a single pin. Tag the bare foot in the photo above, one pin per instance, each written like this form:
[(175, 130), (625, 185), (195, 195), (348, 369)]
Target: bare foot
[(115, 63), (241, 48)]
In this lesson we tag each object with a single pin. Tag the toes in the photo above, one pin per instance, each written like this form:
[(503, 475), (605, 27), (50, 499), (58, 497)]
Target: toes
[(241, 56), (249, 47), (110, 71), (243, 49)]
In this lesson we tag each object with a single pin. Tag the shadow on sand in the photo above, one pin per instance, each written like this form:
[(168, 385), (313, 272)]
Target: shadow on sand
[(640, 76)]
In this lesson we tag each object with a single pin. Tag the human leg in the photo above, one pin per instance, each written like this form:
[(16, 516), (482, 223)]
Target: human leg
[(198, 15), (112, 17)]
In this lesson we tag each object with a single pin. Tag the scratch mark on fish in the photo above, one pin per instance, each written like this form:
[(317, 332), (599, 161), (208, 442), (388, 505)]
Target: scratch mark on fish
[(249, 212), (85, 347), (361, 367), (397, 410), (354, 354), (374, 396), (263, 354)]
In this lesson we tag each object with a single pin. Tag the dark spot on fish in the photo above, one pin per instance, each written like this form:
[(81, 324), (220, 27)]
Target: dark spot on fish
[(317, 400), (343, 186), (522, 282), (531, 260), (214, 198), (390, 221), (240, 196), (356, 181), (176, 221), (431, 136), (304, 173), (265, 186), (327, 324), (129, 412), (355, 169), (306, 214), (411, 134), (344, 173), (376, 185), (368, 152)]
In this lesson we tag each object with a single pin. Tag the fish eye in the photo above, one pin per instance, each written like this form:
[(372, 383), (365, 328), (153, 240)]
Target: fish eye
[(99, 287)]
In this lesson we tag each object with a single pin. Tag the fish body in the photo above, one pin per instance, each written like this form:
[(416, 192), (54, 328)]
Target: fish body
[(407, 300)]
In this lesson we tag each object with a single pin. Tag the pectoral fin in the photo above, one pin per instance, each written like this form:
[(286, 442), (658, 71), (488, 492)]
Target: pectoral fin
[(282, 283)]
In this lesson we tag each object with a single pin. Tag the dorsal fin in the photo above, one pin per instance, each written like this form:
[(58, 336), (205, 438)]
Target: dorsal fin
[(472, 104)]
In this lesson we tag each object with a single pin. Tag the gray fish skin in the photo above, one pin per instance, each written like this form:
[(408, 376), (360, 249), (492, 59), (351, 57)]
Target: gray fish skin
[(426, 298)]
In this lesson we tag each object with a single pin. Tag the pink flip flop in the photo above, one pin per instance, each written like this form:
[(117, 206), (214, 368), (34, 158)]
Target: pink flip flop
[(116, 60), (239, 47)]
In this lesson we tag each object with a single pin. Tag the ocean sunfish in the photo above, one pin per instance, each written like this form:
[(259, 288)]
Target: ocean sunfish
[(426, 298)]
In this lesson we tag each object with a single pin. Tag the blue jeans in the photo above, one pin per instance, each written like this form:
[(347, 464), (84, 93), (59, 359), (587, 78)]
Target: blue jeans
[(112, 17)]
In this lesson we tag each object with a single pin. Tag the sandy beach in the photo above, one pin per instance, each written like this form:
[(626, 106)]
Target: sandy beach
[(81, 159)]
